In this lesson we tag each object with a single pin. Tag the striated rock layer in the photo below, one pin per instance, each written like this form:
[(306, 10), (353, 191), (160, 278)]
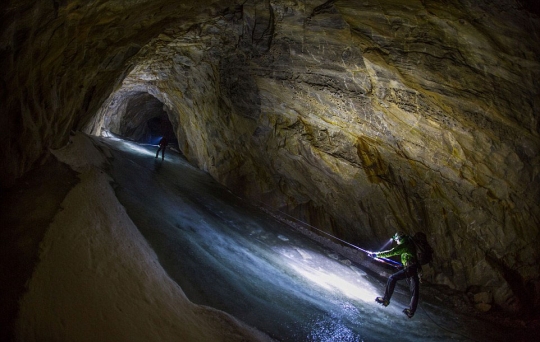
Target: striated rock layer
[(358, 117)]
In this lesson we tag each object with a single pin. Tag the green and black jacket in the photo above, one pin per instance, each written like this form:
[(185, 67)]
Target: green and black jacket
[(407, 251)]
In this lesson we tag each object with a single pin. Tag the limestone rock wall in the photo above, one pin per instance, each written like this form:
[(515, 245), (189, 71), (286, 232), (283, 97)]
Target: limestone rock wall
[(61, 59), (359, 117)]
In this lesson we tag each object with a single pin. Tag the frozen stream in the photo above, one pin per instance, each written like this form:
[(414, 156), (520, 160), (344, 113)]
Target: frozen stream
[(229, 255)]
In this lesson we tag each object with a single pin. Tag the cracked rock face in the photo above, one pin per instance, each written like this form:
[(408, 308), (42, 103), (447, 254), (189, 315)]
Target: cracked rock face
[(358, 117)]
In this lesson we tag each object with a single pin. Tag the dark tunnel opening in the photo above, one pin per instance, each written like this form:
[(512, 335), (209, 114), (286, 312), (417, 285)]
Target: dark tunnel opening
[(159, 127), (145, 120)]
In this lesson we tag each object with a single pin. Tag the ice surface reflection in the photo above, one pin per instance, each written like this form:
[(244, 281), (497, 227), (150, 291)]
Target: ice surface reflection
[(229, 255), (331, 330), (333, 282), (330, 274)]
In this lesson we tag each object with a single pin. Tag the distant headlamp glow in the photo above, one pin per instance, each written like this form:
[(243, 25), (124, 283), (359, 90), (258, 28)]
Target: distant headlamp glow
[(155, 140), (139, 149)]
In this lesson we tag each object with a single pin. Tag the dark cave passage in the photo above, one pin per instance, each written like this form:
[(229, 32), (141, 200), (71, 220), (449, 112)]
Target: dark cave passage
[(140, 117)]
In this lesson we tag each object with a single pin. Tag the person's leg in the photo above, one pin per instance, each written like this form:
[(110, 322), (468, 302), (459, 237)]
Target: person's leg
[(157, 153), (391, 284), (163, 153), (415, 289)]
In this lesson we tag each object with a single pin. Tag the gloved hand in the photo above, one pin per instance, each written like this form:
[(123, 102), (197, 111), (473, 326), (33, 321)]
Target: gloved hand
[(372, 254)]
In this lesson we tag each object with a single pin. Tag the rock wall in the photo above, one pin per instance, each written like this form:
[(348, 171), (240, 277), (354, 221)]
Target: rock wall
[(361, 118), (61, 59)]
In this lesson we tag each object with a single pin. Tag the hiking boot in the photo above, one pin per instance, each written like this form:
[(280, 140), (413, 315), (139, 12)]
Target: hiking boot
[(382, 301), (408, 312)]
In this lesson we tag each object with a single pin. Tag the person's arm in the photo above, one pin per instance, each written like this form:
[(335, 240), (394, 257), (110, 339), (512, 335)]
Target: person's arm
[(384, 254), (398, 250)]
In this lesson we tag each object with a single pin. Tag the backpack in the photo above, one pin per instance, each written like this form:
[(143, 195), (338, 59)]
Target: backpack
[(424, 252)]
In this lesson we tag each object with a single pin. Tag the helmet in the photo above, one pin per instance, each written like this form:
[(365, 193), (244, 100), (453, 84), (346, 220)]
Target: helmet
[(398, 236)]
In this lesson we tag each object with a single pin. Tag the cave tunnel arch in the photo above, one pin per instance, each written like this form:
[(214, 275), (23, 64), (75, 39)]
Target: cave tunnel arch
[(139, 116)]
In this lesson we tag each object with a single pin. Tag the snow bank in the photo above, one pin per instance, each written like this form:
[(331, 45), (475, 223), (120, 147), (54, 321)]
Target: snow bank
[(99, 280)]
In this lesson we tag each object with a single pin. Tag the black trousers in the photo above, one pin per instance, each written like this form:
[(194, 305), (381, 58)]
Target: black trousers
[(410, 272), (162, 149)]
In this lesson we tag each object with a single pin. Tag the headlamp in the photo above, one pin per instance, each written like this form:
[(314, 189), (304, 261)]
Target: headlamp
[(397, 236)]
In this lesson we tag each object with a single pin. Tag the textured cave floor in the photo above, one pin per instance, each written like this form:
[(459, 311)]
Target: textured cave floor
[(228, 254)]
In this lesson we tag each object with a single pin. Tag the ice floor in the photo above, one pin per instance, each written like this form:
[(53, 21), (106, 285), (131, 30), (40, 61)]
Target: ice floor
[(227, 254)]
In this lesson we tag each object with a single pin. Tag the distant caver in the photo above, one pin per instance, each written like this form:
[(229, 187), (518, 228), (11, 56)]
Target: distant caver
[(162, 145)]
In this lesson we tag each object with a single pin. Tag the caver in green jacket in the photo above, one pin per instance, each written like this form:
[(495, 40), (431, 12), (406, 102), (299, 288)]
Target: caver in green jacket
[(407, 250)]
